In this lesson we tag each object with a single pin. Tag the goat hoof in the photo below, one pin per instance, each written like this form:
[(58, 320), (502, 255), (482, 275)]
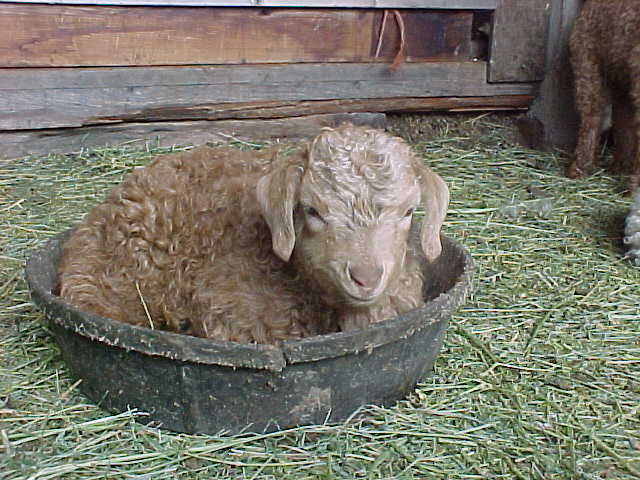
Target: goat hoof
[(574, 171)]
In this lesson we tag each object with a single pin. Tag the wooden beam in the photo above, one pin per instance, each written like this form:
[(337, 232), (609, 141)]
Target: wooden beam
[(552, 122), (519, 41), (52, 98), (446, 4), (97, 36), (42, 142), (274, 109), (254, 121), (438, 4)]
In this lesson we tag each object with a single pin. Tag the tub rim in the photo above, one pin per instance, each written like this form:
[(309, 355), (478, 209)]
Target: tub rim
[(41, 276)]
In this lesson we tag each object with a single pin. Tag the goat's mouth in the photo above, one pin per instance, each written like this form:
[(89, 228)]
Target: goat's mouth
[(358, 295), (355, 286), (361, 300)]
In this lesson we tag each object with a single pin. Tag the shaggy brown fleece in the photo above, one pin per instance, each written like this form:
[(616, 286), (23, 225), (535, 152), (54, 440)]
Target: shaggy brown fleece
[(257, 246), (605, 55)]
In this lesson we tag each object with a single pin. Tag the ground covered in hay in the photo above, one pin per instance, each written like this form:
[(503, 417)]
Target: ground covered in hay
[(539, 377)]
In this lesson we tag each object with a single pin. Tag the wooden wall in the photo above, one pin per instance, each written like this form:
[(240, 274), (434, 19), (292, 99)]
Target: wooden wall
[(90, 36), (76, 76)]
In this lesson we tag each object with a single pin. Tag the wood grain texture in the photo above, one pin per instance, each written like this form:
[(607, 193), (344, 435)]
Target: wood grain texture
[(444, 4), (519, 41), (42, 142), (92, 36), (52, 98), (274, 109), (81, 36), (552, 122), (428, 35)]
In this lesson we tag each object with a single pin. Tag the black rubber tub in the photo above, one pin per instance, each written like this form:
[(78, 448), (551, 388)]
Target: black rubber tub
[(196, 385)]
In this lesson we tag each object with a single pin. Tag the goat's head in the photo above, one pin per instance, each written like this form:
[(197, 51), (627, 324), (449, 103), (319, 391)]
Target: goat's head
[(347, 209)]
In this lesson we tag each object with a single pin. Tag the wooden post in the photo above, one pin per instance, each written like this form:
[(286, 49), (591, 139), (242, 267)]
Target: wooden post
[(518, 41), (552, 121)]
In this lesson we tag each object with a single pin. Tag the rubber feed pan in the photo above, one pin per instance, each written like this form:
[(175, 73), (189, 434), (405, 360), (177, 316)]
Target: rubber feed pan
[(197, 385)]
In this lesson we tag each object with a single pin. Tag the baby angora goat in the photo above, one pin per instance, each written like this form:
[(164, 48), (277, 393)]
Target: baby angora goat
[(605, 56), (260, 246)]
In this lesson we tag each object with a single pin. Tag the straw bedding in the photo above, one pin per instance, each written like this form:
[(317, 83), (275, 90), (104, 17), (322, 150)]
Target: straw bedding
[(539, 377)]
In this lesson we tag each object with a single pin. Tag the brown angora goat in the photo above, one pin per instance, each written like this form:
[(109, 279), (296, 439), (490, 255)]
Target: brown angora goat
[(605, 56), (258, 246)]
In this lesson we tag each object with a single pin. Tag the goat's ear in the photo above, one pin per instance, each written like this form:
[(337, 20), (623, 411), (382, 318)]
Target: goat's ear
[(277, 194), (435, 200)]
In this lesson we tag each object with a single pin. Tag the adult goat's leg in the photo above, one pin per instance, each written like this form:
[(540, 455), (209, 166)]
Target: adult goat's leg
[(634, 158), (591, 97)]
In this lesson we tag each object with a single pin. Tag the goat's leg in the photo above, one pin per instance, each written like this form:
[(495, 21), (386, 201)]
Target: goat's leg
[(591, 101), (624, 133), (634, 154)]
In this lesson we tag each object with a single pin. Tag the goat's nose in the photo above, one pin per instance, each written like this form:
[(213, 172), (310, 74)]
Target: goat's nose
[(365, 276)]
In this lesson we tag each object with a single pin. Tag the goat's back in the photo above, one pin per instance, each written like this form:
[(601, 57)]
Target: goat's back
[(611, 30), (139, 256)]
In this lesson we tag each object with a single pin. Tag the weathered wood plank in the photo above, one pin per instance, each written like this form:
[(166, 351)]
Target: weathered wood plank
[(447, 4), (50, 98), (552, 122), (264, 110), (519, 41), (91, 36), (428, 35), (42, 142), (444, 4), (64, 36)]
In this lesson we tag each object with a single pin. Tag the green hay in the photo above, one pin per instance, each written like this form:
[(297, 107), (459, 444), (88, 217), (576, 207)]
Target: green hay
[(539, 377)]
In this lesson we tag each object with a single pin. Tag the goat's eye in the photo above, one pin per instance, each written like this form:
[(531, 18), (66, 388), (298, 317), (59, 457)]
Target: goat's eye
[(312, 212), (409, 212)]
